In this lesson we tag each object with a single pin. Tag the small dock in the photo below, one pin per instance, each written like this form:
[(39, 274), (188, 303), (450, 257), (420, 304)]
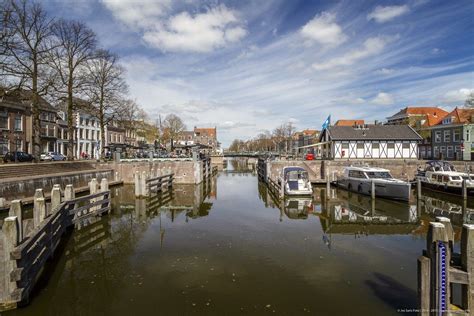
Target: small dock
[(27, 245)]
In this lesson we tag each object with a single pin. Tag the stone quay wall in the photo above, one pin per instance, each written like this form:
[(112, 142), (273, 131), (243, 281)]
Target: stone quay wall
[(185, 172)]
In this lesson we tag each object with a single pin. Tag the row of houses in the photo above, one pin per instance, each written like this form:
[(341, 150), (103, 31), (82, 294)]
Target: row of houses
[(411, 133), (16, 126)]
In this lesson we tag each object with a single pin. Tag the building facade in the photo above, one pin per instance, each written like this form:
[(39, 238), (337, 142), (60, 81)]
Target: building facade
[(452, 138), (87, 135), (369, 142), (13, 124)]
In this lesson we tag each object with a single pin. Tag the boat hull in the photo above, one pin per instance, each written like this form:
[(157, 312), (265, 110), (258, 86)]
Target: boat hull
[(447, 189), (387, 190)]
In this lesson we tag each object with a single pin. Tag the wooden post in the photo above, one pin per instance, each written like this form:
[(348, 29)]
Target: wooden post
[(104, 185), (10, 241), (328, 187), (424, 286), (55, 198), (282, 188), (144, 186), (3, 202), (38, 194), (372, 189), (15, 211), (467, 262), (439, 252), (93, 189), (418, 189), (39, 213), (449, 229), (464, 189), (138, 184), (69, 193)]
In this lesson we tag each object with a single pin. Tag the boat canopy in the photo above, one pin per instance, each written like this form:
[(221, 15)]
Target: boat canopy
[(439, 165)]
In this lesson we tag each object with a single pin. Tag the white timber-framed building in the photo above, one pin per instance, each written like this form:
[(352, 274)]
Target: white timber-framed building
[(369, 142)]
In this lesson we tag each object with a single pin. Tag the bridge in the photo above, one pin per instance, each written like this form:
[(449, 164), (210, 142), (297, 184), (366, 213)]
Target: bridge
[(251, 154)]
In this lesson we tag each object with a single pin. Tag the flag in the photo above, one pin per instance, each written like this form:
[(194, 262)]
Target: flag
[(327, 122)]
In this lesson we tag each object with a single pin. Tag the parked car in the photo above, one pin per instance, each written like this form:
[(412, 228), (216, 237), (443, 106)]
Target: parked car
[(52, 156), (45, 157), (17, 156)]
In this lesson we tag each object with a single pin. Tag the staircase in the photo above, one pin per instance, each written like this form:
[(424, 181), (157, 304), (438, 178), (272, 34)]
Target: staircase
[(19, 170)]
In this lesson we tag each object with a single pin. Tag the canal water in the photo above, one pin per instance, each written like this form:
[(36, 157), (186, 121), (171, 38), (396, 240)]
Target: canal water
[(228, 247)]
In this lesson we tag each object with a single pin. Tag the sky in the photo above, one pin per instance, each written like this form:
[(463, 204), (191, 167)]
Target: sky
[(246, 66)]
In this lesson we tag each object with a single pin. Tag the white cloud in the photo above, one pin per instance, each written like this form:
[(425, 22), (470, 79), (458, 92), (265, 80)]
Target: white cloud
[(457, 95), (372, 46), (324, 30), (202, 32), (384, 14), (383, 98), (138, 13)]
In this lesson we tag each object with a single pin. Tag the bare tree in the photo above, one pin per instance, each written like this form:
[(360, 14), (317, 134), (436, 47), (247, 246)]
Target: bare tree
[(106, 87), (279, 136), (75, 46), (469, 103), (26, 47), (174, 126)]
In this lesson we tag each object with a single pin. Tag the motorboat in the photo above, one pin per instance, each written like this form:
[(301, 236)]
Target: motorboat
[(440, 175), (296, 181), (359, 179)]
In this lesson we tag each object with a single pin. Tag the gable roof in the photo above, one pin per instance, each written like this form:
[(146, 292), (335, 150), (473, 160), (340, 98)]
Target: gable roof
[(373, 132), (349, 122), (209, 132), (419, 110), (460, 116), (24, 97)]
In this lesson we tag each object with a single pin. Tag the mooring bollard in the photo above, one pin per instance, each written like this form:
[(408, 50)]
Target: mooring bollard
[(38, 194), (15, 211), (55, 198), (69, 193), (10, 241)]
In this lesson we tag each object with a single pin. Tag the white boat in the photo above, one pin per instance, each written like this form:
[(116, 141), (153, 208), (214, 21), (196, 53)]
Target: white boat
[(442, 176), (296, 181), (359, 179)]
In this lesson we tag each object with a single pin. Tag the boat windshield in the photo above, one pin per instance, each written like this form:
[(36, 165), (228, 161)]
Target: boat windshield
[(379, 175), (295, 175), (466, 177), (455, 178)]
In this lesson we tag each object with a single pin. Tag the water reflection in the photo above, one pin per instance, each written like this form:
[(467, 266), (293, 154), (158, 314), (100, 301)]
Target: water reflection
[(239, 249)]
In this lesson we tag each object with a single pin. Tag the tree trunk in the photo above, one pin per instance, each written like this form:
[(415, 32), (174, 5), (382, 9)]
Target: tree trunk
[(70, 120), (102, 133), (36, 133)]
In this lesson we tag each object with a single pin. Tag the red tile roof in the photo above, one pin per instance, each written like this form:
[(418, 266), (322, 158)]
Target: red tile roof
[(460, 116), (349, 122), (209, 132)]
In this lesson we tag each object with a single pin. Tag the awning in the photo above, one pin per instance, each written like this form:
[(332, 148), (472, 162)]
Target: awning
[(314, 145)]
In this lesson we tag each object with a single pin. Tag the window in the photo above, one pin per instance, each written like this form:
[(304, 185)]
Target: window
[(4, 120), (356, 174), (447, 136), (379, 175), (390, 145), (18, 121), (457, 135), (375, 145), (450, 152), (468, 134), (438, 137), (406, 145), (3, 146)]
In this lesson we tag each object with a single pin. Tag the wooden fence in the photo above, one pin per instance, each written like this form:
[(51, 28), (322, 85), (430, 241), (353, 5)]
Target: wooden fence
[(25, 255)]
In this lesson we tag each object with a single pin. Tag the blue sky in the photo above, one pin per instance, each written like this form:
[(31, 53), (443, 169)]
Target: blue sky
[(248, 66)]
